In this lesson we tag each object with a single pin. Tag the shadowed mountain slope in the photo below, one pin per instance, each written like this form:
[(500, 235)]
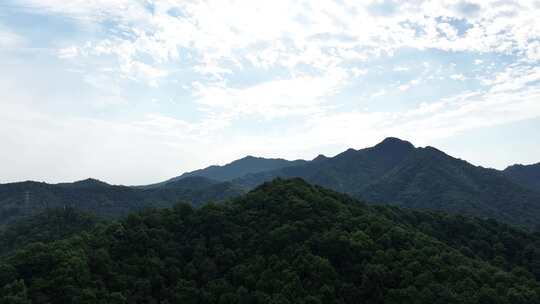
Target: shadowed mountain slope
[(525, 175), (396, 172), (240, 167)]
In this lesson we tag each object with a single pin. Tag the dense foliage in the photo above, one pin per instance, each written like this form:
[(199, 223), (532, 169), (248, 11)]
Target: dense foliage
[(285, 242), (48, 226), (18, 200)]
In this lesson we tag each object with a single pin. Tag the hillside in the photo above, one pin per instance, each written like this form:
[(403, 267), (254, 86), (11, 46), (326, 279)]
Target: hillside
[(27, 198), (396, 172), (47, 226), (284, 242), (430, 179), (525, 175), (238, 168)]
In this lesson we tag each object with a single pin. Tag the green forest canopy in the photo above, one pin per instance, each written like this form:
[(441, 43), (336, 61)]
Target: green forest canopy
[(285, 242)]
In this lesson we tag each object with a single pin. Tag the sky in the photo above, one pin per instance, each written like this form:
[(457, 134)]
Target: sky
[(138, 91)]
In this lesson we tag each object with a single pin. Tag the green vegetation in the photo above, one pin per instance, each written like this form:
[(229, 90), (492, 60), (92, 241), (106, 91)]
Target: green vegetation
[(48, 226), (285, 242), (19, 200)]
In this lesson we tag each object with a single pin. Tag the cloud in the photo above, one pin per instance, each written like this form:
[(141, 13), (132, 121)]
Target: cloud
[(408, 85), (9, 39), (400, 69), (298, 95), (511, 97), (299, 70), (378, 93), (468, 9), (459, 77), (383, 8), (57, 147), (272, 34), (87, 11)]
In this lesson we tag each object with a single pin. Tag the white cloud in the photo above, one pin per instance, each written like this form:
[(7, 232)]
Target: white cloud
[(510, 98), (359, 72), (404, 87), (299, 95), (401, 69), (378, 93), (448, 30), (9, 39), (69, 52), (258, 61), (88, 11), (322, 35), (459, 77), (408, 85), (56, 147)]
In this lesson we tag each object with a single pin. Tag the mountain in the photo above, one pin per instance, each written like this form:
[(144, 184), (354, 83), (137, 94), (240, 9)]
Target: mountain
[(238, 168), (525, 175), (343, 172), (285, 242), (396, 172), (431, 179), (393, 171), (89, 183), (27, 198)]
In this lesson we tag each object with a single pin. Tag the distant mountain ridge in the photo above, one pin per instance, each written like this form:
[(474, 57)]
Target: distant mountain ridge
[(240, 167), (343, 171), (525, 175), (396, 172), (393, 171), (28, 198)]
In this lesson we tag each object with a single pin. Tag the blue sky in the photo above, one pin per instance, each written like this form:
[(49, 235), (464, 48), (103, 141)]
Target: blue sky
[(135, 92)]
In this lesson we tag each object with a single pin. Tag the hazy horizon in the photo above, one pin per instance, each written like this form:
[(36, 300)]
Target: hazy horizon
[(135, 92), (52, 181)]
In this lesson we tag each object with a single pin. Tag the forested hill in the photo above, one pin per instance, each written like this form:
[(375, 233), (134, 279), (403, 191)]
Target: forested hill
[(285, 242), (395, 172), (23, 199), (47, 226)]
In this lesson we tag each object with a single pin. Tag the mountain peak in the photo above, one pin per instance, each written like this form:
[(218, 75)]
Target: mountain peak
[(394, 142), (89, 182), (248, 157), (320, 157)]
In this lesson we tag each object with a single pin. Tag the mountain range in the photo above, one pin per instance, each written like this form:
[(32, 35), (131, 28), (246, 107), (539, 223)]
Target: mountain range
[(391, 172)]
